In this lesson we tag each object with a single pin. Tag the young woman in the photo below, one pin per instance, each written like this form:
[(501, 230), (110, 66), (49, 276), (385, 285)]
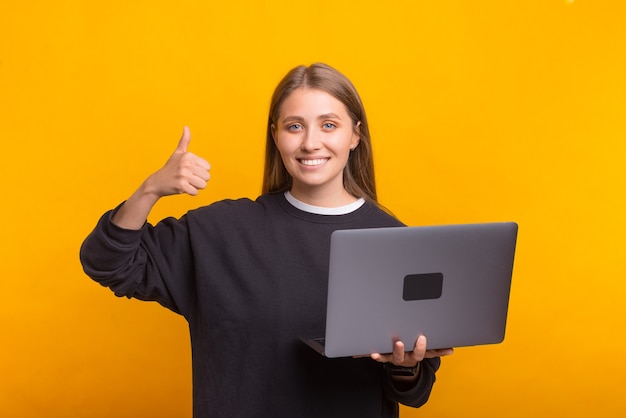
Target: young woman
[(250, 277)]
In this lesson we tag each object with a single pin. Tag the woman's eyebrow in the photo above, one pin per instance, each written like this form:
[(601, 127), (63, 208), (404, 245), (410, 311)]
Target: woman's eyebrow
[(293, 119), (329, 116), (320, 117)]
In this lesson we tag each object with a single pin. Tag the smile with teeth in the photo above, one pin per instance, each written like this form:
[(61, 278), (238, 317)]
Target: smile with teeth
[(314, 162)]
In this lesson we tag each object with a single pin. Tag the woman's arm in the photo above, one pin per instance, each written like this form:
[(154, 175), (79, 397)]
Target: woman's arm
[(137, 260)]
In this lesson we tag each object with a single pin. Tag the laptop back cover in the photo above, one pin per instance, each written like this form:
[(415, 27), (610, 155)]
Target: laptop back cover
[(450, 283)]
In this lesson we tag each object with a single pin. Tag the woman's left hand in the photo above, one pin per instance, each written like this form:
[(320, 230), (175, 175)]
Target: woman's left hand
[(400, 357)]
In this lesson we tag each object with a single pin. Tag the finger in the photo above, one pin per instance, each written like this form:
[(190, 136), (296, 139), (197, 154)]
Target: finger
[(381, 358), (398, 353), (197, 166), (420, 346), (202, 174), (190, 188), (202, 163), (183, 143), (197, 183)]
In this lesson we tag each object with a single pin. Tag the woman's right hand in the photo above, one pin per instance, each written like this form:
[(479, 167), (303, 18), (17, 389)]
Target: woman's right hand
[(184, 172)]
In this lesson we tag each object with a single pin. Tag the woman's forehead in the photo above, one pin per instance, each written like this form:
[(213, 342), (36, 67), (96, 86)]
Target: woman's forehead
[(305, 102)]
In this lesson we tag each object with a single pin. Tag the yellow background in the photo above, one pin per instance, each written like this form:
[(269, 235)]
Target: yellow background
[(480, 110)]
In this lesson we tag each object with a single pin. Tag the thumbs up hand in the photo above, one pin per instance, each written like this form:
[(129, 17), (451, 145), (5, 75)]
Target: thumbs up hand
[(184, 172)]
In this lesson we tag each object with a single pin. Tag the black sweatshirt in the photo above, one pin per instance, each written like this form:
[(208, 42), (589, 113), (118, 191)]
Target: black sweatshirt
[(250, 277)]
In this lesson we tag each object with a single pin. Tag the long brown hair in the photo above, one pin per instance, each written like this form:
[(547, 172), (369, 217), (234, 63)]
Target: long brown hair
[(358, 175)]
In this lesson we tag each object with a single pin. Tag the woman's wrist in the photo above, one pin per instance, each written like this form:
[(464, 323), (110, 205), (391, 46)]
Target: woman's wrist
[(402, 371), (403, 378)]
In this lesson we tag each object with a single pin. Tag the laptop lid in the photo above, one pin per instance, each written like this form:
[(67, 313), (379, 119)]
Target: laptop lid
[(450, 283)]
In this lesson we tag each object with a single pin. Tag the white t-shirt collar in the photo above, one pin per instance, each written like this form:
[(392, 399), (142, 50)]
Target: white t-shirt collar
[(319, 210)]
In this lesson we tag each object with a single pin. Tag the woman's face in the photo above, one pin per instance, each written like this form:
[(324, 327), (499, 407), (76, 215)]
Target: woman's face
[(314, 135)]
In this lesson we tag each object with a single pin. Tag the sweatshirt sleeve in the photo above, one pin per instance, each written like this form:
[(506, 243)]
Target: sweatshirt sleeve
[(420, 392), (151, 264)]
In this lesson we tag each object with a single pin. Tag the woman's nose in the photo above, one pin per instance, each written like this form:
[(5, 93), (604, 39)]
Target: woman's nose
[(311, 141)]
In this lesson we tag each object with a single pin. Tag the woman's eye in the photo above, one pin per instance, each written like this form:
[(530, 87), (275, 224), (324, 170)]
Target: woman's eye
[(329, 125), (294, 127)]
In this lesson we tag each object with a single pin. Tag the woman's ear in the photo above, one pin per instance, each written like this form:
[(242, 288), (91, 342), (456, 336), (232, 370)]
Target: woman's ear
[(356, 138), (273, 131)]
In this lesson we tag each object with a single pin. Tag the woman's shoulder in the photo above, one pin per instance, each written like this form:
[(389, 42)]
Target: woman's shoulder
[(380, 216), (243, 206)]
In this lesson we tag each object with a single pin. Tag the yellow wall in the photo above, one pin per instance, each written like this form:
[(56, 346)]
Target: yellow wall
[(480, 111)]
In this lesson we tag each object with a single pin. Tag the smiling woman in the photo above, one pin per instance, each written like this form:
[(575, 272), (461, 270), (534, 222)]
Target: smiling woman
[(335, 110), (250, 277)]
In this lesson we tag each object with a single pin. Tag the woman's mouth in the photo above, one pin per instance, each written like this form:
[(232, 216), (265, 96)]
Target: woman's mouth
[(313, 162)]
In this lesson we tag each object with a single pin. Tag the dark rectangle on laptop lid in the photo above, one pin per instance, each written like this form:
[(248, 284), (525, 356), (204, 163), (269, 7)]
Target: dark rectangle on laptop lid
[(422, 286)]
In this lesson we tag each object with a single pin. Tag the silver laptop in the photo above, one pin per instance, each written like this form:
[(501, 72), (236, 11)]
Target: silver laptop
[(450, 283)]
